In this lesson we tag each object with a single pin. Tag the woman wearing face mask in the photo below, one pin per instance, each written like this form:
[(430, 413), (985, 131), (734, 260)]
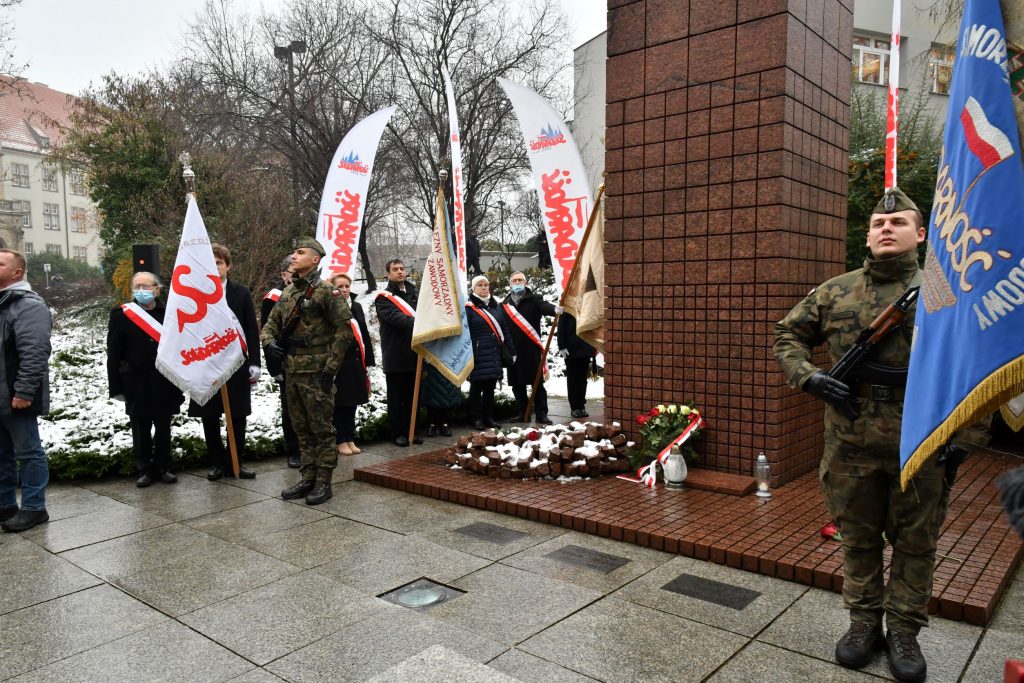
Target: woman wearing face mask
[(489, 331), (149, 398)]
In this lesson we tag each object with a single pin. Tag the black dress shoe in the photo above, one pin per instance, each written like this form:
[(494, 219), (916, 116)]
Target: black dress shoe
[(417, 440), (246, 472), (214, 473), (320, 494), (479, 425), (857, 646), (493, 424), (544, 420), (143, 481), (7, 512), (584, 413), (168, 478), (432, 430), (25, 520), (401, 441), (299, 490), (515, 419), (294, 462), (906, 661), (445, 431)]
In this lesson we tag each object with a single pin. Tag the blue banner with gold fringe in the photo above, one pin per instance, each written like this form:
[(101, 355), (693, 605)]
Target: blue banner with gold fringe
[(967, 357)]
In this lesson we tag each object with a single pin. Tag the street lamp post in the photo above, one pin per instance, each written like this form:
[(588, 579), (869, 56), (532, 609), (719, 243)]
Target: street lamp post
[(286, 54), (501, 228)]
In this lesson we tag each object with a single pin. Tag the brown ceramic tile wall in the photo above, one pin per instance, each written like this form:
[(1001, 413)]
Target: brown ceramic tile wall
[(727, 136)]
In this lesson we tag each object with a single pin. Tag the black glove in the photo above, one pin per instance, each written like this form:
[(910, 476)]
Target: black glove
[(1011, 492), (274, 352), (325, 381), (828, 389), (952, 457)]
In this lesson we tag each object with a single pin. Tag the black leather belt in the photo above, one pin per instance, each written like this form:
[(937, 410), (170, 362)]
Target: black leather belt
[(882, 393)]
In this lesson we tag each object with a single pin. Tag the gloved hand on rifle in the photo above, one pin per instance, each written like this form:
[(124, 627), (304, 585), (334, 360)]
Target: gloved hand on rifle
[(952, 457), (274, 352), (828, 389), (325, 381)]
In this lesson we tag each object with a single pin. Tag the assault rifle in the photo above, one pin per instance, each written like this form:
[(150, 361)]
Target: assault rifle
[(846, 368), (275, 363)]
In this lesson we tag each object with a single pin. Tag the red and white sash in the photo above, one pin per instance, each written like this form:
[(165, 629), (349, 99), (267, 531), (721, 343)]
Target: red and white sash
[(490, 320), (523, 324), (648, 474), (362, 349), (143, 320), (399, 303), (273, 295)]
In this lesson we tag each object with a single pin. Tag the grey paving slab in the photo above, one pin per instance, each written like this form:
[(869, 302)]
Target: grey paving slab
[(191, 497), (438, 664), (36, 636), (256, 520), (113, 520), (509, 605), (256, 676), (763, 662), (615, 640), (398, 560), (1010, 612), (269, 483), (529, 669), (351, 496), (535, 533), (278, 618), (775, 595), (814, 623), (640, 561), (312, 545), (63, 501), (31, 575), (988, 661), (150, 656), (414, 513), (368, 647)]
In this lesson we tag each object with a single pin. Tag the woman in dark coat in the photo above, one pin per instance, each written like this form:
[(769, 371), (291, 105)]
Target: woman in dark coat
[(489, 330), (149, 398), (439, 396), (352, 382)]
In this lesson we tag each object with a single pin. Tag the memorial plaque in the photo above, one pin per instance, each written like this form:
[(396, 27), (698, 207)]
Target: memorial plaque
[(594, 560), (492, 533), (709, 590)]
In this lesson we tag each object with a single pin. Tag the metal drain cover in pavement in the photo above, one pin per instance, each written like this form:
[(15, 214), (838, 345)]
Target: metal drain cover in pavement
[(492, 533), (420, 594), (709, 590), (588, 559)]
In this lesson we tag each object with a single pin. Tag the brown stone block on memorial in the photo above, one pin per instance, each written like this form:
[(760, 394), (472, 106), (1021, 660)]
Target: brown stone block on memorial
[(666, 67), (505, 472), (493, 471), (555, 469), (624, 71), (626, 28), (666, 20), (761, 44), (711, 56), (567, 453)]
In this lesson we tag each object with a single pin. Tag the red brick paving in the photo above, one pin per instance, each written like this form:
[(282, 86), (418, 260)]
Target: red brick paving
[(776, 537)]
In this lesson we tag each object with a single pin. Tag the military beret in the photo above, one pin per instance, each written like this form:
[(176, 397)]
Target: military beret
[(894, 200), (310, 243)]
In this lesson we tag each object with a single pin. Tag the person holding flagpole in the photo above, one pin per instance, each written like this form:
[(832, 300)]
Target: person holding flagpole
[(353, 381), (396, 312), (523, 310), (150, 399), (309, 330)]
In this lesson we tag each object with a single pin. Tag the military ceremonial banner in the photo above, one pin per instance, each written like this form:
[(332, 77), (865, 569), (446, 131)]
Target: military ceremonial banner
[(584, 294), (558, 175), (202, 343), (441, 331), (344, 199), (893, 99), (1013, 15), (459, 224), (967, 357)]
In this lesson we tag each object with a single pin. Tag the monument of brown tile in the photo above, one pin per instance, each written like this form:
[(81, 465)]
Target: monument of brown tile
[(727, 137)]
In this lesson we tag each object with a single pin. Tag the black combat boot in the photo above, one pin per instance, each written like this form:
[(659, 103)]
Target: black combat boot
[(906, 661), (299, 490), (320, 494), (857, 646), (432, 430)]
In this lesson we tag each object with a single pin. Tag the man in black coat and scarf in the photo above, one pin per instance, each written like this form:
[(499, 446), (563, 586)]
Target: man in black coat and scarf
[(396, 312), (523, 310)]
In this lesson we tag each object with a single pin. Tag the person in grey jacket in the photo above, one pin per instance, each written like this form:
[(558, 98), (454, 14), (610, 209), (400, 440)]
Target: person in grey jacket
[(25, 325)]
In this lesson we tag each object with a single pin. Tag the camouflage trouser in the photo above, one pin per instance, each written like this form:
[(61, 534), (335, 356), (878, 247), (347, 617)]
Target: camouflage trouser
[(861, 484), (311, 411)]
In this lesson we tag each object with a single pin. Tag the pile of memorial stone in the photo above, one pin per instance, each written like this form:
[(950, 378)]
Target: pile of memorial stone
[(574, 450)]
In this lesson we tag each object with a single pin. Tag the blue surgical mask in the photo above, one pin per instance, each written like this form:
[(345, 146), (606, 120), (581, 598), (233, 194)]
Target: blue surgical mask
[(518, 289), (143, 296)]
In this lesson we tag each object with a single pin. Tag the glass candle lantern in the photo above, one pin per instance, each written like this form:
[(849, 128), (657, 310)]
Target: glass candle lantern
[(763, 476)]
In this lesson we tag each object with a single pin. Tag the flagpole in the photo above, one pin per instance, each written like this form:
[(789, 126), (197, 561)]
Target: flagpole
[(189, 176), (561, 301)]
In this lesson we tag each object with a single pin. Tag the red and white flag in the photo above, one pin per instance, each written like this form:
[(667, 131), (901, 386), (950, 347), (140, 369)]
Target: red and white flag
[(893, 104), (459, 219), (985, 141), (202, 343)]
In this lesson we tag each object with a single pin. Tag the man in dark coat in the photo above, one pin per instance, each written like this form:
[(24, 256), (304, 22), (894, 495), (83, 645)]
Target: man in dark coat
[(396, 312), (25, 325), (239, 384), (524, 309), (291, 440), (150, 399), (578, 355)]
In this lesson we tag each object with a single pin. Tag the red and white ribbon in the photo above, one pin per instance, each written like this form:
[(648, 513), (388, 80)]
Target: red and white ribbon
[(362, 349), (273, 295), (490, 320), (523, 324), (648, 474), (399, 303), (143, 320)]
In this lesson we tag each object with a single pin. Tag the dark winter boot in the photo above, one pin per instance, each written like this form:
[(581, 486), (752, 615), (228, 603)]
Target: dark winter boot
[(856, 648), (906, 661)]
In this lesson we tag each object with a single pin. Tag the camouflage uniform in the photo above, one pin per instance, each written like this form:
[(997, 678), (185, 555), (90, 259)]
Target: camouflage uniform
[(315, 347), (860, 469)]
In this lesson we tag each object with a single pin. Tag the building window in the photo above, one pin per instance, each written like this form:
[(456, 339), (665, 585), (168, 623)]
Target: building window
[(19, 175), (25, 209), (940, 69), (80, 253), (871, 60), (77, 181), (53, 249), (29, 248), (77, 219), (49, 179), (51, 216)]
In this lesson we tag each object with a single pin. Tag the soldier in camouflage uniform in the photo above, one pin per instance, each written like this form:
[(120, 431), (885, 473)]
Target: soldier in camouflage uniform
[(860, 468), (312, 354)]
